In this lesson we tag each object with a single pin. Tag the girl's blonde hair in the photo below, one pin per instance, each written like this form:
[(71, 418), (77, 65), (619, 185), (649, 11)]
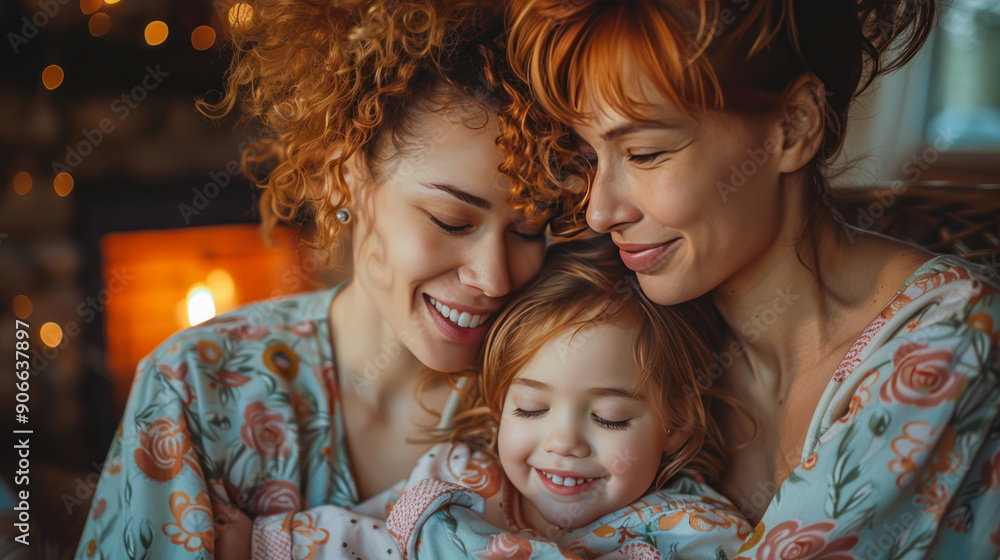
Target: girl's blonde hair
[(583, 284)]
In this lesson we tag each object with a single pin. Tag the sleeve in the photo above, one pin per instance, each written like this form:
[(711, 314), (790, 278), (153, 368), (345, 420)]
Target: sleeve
[(201, 435), (439, 520), (152, 499), (911, 468)]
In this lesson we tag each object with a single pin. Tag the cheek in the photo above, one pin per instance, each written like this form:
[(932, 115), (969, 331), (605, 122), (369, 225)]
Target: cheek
[(525, 262), (634, 463), (514, 446)]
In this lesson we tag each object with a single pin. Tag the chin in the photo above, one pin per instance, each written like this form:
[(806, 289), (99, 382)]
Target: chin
[(445, 357), (664, 289)]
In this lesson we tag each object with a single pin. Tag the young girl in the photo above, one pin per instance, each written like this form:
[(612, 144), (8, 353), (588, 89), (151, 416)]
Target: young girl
[(590, 404)]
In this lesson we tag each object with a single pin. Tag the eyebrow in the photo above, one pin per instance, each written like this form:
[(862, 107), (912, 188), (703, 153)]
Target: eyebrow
[(458, 193), (630, 127), (596, 391)]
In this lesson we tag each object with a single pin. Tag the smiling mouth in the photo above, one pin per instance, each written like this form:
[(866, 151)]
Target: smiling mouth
[(462, 319), (566, 481)]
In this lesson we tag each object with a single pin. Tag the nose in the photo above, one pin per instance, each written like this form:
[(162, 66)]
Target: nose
[(565, 438), (487, 269), (609, 205)]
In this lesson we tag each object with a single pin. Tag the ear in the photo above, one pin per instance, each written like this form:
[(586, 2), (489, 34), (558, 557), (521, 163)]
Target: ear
[(802, 122), (674, 440)]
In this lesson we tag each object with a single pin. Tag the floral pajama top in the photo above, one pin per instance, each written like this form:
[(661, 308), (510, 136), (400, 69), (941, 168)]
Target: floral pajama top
[(902, 457), (455, 501), (241, 411)]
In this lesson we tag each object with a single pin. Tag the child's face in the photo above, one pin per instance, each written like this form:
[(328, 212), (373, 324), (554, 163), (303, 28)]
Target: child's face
[(573, 439)]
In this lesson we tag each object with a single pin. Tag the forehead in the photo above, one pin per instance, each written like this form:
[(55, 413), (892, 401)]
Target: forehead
[(640, 103), (597, 356), (453, 144)]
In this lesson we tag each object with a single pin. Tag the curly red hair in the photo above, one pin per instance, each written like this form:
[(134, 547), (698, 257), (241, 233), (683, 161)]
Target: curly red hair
[(330, 80)]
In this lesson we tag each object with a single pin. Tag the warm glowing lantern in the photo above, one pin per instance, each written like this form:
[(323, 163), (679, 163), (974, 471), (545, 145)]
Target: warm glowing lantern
[(200, 304)]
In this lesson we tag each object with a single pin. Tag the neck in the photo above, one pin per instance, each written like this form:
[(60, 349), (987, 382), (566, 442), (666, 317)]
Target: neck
[(789, 307), (370, 358)]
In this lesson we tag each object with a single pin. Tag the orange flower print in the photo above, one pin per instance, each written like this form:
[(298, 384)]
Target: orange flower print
[(504, 546), (91, 548), (306, 537), (933, 498), (175, 377), (922, 376), (243, 332), (481, 476), (164, 449), (901, 301), (281, 361), (232, 379), (193, 527), (264, 430), (931, 281), (983, 322), (303, 328), (209, 351), (98, 508), (640, 551), (810, 461), (276, 496), (912, 449), (789, 540), (861, 397)]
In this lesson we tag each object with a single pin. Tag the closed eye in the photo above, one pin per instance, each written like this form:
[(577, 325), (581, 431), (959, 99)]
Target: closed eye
[(645, 158), (448, 228), (610, 424), (528, 413)]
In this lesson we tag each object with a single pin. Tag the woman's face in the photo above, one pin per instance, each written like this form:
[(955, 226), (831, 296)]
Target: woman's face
[(575, 439), (436, 245), (689, 204)]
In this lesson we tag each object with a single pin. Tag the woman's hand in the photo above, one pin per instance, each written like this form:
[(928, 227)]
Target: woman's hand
[(233, 531)]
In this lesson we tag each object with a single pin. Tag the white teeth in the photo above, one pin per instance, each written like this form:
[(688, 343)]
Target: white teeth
[(460, 318), (567, 481)]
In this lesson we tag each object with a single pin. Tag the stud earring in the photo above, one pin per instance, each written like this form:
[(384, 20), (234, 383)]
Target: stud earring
[(343, 215)]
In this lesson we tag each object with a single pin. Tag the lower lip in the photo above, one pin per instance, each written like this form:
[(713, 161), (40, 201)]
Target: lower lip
[(453, 332), (644, 260), (564, 490)]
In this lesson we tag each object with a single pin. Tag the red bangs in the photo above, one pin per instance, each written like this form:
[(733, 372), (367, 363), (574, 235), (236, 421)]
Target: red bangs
[(613, 55)]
